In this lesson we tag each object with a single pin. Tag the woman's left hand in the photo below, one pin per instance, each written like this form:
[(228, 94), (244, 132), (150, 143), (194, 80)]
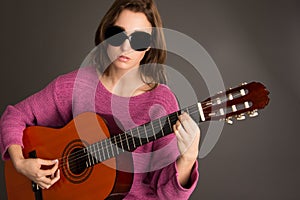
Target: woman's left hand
[(188, 136)]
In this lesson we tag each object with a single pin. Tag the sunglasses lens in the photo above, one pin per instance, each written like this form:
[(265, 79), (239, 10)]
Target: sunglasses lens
[(115, 36), (140, 41)]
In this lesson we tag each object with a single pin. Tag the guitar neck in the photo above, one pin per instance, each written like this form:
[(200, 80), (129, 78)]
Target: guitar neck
[(138, 136)]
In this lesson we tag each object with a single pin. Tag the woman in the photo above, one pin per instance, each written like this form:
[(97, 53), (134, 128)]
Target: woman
[(131, 47)]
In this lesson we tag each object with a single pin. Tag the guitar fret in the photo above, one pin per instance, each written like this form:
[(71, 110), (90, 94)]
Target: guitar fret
[(157, 128), (154, 134), (139, 137), (90, 164), (117, 148), (161, 128), (92, 154), (131, 141), (121, 142), (132, 138), (95, 154), (167, 126), (112, 150), (146, 132), (136, 138), (148, 129), (127, 142), (107, 149), (102, 150), (86, 163), (99, 152), (144, 136), (170, 125)]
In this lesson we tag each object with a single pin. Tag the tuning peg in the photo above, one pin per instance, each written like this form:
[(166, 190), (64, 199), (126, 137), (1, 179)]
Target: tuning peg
[(253, 113), (240, 117), (228, 120), (244, 83)]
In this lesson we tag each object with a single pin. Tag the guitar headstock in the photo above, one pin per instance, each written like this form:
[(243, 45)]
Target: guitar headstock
[(238, 102)]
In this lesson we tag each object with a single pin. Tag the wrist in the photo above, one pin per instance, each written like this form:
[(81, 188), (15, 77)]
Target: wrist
[(184, 167), (16, 156), (189, 157), (186, 161)]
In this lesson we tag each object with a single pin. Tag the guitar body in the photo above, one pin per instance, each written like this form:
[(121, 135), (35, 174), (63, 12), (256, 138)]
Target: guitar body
[(76, 180)]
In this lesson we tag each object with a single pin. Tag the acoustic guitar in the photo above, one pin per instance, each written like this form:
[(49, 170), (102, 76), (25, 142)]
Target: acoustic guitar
[(89, 156)]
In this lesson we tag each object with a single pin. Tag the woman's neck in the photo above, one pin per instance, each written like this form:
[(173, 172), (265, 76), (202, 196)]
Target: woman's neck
[(123, 82)]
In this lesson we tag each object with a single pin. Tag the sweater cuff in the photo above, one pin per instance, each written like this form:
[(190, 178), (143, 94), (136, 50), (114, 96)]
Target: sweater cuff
[(5, 154), (192, 180)]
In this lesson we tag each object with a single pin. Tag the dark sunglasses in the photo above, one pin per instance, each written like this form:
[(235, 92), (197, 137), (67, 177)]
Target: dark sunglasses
[(116, 36)]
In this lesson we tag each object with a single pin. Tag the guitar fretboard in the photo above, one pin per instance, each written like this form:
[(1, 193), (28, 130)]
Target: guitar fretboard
[(136, 137)]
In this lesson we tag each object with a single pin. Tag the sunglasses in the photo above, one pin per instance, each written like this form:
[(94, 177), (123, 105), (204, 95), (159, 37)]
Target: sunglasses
[(116, 36)]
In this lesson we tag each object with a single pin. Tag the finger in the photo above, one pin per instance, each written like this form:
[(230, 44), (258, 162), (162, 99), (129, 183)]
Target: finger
[(185, 137), (44, 186), (178, 136), (50, 172), (54, 170), (56, 177), (47, 162), (41, 186), (49, 182), (188, 124), (183, 116), (44, 182), (176, 125)]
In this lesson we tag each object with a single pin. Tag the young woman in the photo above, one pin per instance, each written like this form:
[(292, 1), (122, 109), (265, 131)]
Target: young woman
[(128, 72)]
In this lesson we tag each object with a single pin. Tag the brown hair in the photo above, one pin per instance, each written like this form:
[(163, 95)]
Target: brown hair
[(151, 65)]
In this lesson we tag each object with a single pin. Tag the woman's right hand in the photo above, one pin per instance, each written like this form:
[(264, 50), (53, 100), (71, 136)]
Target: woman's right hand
[(32, 168)]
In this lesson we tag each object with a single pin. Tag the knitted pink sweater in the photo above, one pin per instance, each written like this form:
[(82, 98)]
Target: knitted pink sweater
[(80, 91)]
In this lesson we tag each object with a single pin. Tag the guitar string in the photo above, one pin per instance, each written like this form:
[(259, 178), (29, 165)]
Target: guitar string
[(103, 148), (109, 146), (133, 134), (209, 102), (118, 142)]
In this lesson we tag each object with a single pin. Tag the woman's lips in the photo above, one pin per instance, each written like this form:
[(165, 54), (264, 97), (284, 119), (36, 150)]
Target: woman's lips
[(123, 58)]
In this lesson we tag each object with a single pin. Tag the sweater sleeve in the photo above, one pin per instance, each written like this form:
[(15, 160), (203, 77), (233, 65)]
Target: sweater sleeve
[(39, 109), (161, 181)]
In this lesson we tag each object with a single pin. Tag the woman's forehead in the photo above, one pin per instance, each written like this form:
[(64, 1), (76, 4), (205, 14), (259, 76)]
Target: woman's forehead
[(133, 21)]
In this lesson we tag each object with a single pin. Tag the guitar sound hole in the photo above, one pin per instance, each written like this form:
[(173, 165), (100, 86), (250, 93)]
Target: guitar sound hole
[(77, 161)]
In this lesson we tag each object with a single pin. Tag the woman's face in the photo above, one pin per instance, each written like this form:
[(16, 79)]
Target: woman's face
[(123, 56)]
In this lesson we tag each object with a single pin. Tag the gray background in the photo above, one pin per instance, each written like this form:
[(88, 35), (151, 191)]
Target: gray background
[(248, 40)]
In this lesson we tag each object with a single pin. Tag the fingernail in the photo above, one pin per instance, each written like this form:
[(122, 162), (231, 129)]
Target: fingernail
[(55, 161)]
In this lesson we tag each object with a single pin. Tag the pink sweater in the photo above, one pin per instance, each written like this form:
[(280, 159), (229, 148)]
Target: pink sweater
[(80, 91)]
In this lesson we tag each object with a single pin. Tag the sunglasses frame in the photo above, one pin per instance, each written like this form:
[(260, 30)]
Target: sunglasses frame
[(116, 36)]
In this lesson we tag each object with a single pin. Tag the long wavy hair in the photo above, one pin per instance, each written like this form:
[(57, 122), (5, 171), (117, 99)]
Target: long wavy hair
[(151, 67)]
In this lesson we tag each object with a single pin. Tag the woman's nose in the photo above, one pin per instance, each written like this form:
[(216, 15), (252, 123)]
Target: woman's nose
[(126, 45)]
